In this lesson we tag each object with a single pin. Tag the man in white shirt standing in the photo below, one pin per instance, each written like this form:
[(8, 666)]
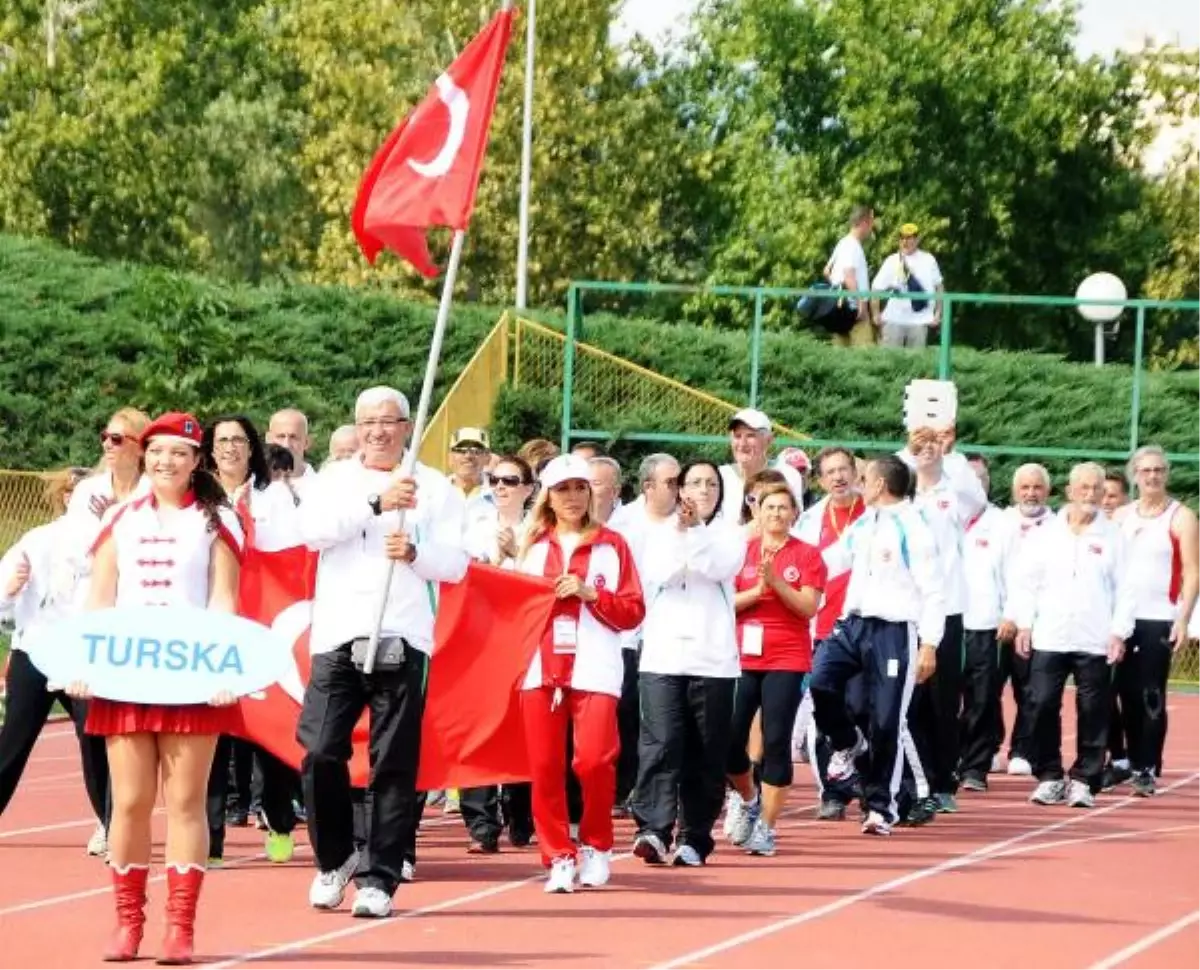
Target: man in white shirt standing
[(847, 269), (913, 274), (358, 514), (750, 437), (1074, 611)]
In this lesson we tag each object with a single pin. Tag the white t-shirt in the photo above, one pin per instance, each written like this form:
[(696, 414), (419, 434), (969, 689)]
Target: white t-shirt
[(848, 254), (921, 265)]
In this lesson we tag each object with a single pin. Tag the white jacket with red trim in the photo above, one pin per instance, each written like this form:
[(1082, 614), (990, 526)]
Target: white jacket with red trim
[(606, 564)]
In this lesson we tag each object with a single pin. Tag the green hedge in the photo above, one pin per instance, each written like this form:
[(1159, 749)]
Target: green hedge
[(82, 337)]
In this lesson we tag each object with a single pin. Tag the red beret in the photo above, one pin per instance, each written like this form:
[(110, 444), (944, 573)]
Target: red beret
[(175, 425)]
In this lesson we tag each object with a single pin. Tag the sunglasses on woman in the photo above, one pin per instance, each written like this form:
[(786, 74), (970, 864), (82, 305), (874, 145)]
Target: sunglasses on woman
[(115, 438), (511, 481)]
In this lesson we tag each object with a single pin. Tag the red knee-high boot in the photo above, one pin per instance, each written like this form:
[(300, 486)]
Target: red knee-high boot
[(183, 892), (129, 892)]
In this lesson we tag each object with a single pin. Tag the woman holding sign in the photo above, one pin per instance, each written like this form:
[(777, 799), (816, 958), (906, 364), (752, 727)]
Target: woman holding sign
[(180, 545), (577, 671)]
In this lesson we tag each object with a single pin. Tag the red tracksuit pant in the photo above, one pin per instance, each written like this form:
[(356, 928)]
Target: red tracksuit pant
[(597, 745)]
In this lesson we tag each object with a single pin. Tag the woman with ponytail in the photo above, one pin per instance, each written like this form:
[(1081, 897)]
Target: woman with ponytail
[(187, 520)]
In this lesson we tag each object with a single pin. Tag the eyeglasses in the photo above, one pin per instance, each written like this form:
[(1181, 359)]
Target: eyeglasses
[(473, 450), (237, 441), (509, 481), (704, 483), (114, 438), (383, 424)]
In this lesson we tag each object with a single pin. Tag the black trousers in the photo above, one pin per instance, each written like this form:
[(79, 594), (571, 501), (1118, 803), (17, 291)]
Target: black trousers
[(337, 694), (682, 749), (241, 795), (884, 653), (933, 720), (1015, 668), (980, 700), (1141, 682), (279, 785), (846, 790), (777, 693), (487, 810), (28, 705), (1048, 672), (628, 728)]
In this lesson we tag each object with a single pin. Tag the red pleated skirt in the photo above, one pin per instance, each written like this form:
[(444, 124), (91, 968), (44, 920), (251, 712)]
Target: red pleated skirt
[(123, 717)]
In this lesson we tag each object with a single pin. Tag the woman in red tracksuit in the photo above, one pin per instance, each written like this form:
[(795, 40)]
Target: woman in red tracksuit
[(577, 671)]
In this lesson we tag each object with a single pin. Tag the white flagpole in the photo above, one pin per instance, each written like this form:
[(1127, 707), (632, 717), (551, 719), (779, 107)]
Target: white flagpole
[(408, 465), (526, 161)]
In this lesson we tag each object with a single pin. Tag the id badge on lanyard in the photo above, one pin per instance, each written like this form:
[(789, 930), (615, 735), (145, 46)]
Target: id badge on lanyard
[(752, 640), (566, 634)]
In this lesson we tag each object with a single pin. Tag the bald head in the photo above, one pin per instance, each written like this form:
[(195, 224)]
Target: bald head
[(289, 429), (343, 442)]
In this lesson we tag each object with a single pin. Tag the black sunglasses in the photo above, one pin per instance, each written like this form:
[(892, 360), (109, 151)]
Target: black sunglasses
[(512, 481), (115, 437)]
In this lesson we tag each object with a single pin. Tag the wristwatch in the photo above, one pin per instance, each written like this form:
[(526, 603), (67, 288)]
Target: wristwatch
[(376, 504)]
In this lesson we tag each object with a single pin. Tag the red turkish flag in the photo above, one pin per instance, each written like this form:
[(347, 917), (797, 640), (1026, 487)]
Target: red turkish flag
[(487, 629), (427, 171)]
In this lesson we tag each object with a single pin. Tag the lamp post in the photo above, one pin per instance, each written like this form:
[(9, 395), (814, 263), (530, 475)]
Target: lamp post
[(1101, 286)]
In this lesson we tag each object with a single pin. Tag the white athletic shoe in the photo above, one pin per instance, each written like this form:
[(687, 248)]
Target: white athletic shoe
[(876, 824), (733, 807), (1052, 792), (98, 843), (371, 902), (594, 868), (841, 763), (1019, 766), (562, 875), (1079, 795), (328, 889)]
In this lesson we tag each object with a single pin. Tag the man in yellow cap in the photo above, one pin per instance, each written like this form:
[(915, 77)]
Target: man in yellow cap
[(915, 275)]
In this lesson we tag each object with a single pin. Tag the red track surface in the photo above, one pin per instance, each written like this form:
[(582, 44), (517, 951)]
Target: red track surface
[(1002, 883)]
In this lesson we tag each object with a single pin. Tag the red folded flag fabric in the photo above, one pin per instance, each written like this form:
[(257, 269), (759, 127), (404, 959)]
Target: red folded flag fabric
[(427, 171), (487, 629)]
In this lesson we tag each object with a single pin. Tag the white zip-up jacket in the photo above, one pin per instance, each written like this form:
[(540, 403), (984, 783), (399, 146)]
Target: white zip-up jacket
[(1020, 529), (56, 587), (687, 579), (948, 509), (336, 520), (895, 574), (985, 546), (1073, 590)]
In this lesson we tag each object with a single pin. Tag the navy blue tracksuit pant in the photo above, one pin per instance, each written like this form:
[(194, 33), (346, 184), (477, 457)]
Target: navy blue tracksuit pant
[(885, 653)]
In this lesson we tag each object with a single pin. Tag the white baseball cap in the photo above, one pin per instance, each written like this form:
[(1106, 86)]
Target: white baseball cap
[(752, 418), (564, 468)]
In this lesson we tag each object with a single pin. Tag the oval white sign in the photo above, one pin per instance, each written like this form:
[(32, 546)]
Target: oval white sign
[(160, 654)]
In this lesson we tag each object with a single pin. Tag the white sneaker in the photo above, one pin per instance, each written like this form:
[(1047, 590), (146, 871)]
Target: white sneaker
[(1019, 766), (371, 902), (562, 876), (733, 808), (746, 817), (408, 871), (876, 824), (1079, 795), (761, 840), (686, 855), (328, 889), (594, 867), (98, 843), (1052, 792), (841, 763)]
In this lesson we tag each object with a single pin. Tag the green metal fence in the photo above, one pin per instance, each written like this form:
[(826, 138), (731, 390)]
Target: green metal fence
[(761, 294)]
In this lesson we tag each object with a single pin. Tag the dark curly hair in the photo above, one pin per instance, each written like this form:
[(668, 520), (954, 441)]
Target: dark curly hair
[(259, 471)]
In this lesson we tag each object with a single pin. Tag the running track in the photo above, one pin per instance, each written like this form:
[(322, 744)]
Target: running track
[(1003, 883)]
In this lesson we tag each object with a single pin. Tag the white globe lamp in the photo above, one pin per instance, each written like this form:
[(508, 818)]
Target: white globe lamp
[(1101, 286)]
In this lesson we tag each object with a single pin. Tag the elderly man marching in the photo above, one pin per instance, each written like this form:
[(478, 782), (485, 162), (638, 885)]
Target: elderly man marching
[(352, 515), (1074, 611), (1164, 568)]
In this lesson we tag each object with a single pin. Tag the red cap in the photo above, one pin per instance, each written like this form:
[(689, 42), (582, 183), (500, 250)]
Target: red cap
[(175, 425), (797, 458)]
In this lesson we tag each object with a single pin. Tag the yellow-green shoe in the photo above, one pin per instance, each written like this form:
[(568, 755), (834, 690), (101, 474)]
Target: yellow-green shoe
[(280, 847)]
